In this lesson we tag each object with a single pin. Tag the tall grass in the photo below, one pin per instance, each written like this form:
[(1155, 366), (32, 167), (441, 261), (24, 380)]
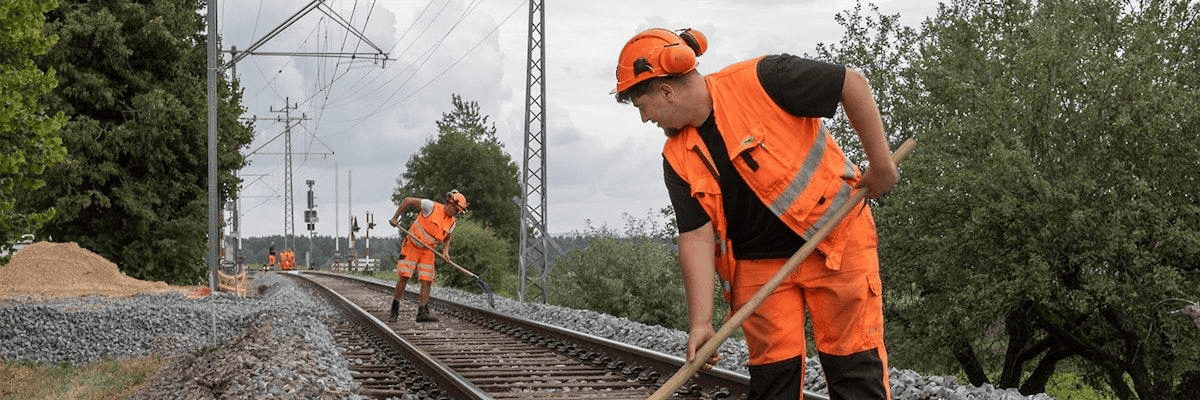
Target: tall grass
[(103, 380)]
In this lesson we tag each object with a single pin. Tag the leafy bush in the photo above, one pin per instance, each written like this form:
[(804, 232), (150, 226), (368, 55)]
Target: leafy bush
[(632, 274), (478, 249), (633, 278)]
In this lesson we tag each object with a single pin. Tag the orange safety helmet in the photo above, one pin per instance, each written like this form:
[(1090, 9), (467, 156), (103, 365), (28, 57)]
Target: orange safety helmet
[(456, 198), (658, 52)]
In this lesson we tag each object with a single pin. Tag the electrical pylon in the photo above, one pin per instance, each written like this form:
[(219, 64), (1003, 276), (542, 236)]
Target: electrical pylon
[(533, 181)]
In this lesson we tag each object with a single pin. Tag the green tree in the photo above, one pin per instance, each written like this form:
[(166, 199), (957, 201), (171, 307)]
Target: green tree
[(631, 273), (636, 278), (879, 47), (476, 248), (29, 141), (466, 155), (1049, 215), (133, 80)]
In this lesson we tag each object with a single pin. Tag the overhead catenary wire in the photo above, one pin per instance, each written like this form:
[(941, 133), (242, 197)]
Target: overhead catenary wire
[(324, 89), (318, 92), (423, 58), (408, 72), (385, 106), (338, 83), (365, 82)]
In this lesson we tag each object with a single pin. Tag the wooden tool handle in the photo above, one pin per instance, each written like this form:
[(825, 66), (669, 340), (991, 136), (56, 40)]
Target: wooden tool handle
[(443, 256)]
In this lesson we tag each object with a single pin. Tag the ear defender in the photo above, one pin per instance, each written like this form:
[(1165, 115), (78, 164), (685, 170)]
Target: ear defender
[(457, 198), (673, 58), (676, 59), (658, 52), (694, 39)]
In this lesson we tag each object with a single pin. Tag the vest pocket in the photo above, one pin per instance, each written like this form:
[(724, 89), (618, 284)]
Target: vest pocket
[(759, 163), (749, 160)]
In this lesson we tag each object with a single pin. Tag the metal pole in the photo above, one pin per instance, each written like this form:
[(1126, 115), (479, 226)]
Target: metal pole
[(533, 192), (213, 70), (237, 203), (289, 214), (336, 205), (213, 253)]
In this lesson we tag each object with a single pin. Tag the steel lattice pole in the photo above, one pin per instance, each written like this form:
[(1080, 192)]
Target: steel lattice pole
[(533, 193)]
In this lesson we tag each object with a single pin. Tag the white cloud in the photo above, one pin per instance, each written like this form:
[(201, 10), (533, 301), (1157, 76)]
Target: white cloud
[(602, 161)]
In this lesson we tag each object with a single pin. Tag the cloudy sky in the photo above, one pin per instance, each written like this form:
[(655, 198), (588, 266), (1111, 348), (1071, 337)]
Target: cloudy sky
[(364, 119)]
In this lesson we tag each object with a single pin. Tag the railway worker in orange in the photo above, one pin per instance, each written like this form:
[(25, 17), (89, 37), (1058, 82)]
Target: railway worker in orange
[(287, 260), (751, 172), (434, 224), (271, 257)]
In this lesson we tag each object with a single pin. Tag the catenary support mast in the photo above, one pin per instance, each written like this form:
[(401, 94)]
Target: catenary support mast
[(216, 66), (533, 194)]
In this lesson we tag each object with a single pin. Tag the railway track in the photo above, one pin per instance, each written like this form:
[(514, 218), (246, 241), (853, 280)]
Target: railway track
[(472, 353)]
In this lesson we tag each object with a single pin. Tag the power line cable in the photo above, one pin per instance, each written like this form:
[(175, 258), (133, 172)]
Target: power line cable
[(401, 72), (382, 108), (425, 57)]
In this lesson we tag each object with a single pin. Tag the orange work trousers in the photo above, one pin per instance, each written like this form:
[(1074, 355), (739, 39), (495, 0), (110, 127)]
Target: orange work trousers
[(845, 305), (416, 258)]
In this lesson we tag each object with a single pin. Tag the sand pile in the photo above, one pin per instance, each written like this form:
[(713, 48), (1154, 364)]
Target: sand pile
[(65, 269)]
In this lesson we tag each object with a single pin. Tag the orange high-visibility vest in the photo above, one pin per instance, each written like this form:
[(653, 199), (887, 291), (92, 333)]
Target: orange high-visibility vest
[(434, 229), (791, 163)]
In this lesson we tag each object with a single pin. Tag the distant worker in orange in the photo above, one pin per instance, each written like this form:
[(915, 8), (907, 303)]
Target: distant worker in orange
[(752, 173), (271, 257), (433, 226), (287, 260)]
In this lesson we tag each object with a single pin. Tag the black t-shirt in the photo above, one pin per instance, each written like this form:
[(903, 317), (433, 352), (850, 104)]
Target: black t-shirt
[(802, 87)]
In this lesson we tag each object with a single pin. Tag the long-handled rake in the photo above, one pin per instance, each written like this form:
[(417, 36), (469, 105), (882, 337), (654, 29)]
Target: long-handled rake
[(484, 286)]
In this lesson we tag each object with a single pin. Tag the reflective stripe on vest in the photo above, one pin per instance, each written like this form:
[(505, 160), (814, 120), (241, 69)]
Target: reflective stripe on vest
[(812, 161), (434, 229), (792, 163)]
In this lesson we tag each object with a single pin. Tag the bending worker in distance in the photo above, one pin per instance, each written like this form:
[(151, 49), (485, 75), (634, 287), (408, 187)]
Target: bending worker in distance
[(434, 224), (752, 172)]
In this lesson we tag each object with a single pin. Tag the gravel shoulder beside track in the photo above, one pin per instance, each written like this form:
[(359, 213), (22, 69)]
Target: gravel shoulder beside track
[(272, 346)]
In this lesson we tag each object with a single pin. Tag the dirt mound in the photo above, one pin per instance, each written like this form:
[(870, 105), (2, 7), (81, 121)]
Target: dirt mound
[(64, 269)]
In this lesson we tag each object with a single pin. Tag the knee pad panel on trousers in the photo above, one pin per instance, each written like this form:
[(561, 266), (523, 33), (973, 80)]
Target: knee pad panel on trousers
[(781, 380), (857, 376)]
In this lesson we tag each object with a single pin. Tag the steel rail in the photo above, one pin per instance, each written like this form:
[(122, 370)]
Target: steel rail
[(454, 385), (651, 363)]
